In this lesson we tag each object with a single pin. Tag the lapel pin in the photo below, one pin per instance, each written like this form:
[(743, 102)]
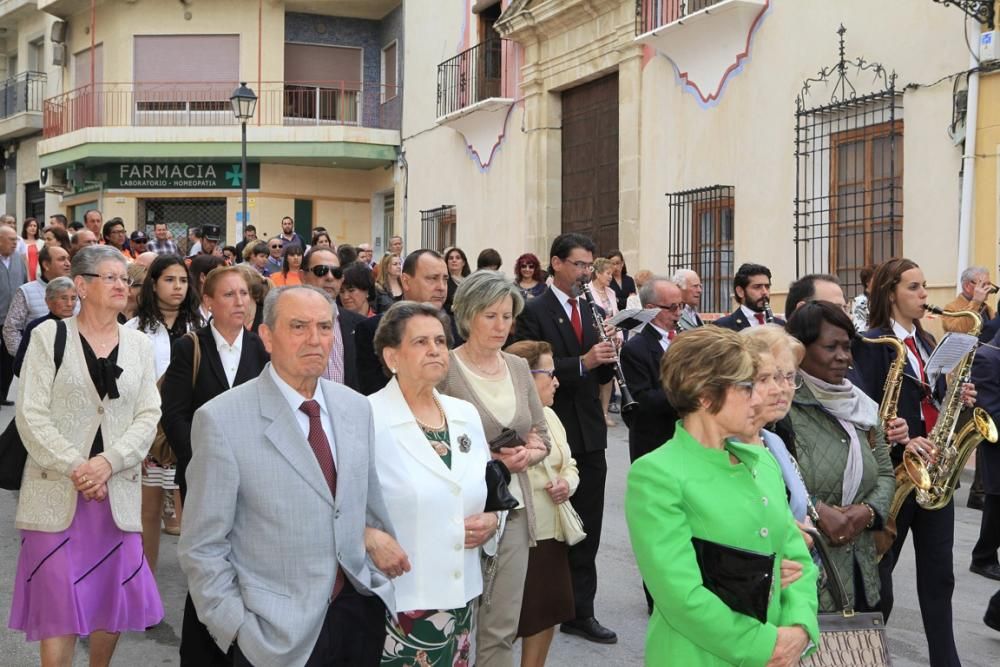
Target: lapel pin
[(561, 320), (464, 444)]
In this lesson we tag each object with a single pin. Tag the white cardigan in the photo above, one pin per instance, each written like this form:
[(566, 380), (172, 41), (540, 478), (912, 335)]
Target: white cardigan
[(58, 418), (427, 502)]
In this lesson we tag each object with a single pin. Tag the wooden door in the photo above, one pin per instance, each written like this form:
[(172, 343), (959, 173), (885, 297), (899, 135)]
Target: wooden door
[(590, 161)]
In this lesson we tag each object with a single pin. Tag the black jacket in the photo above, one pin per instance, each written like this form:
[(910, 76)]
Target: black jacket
[(871, 366), (651, 423), (737, 321), (179, 401), (577, 401), (986, 377), (348, 321)]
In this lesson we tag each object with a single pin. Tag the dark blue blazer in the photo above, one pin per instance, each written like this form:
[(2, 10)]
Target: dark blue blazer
[(737, 321), (986, 377), (652, 422)]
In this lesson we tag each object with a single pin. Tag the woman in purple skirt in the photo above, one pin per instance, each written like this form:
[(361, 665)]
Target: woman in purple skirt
[(87, 427)]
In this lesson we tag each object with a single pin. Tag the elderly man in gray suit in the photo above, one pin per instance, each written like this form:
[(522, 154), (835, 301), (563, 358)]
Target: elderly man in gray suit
[(13, 274), (287, 544)]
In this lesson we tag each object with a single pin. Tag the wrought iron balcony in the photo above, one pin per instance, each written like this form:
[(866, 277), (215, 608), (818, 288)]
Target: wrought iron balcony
[(486, 71), (280, 103), (653, 14), (22, 93)]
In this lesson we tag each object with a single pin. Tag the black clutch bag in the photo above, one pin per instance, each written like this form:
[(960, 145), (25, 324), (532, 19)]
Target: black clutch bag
[(740, 578), (498, 496)]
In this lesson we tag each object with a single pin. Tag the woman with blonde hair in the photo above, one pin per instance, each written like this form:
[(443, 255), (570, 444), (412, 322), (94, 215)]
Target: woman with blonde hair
[(604, 296), (388, 282)]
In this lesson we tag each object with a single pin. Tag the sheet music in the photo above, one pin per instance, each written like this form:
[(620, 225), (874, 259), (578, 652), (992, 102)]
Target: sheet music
[(634, 319), (948, 354)]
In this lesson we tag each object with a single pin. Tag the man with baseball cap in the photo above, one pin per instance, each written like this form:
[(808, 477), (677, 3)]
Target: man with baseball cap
[(137, 244)]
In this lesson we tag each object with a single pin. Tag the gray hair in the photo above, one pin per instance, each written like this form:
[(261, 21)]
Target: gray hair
[(87, 259), (270, 317), (393, 324), (973, 272), (647, 293), (479, 291), (57, 286), (680, 277)]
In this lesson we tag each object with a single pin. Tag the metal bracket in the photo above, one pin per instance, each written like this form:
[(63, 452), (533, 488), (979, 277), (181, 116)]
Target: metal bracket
[(982, 11)]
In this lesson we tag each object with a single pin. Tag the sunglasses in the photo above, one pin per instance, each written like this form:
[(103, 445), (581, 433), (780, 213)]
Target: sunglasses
[(527, 266), (276, 246), (321, 270)]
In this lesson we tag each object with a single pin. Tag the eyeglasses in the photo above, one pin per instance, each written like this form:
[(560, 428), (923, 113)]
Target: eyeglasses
[(672, 307), (321, 270), (276, 246), (542, 371), (746, 385), (110, 278), (583, 266), (527, 266)]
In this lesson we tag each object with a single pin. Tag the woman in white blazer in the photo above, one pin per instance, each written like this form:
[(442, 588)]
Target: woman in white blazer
[(86, 428), (167, 308), (431, 457)]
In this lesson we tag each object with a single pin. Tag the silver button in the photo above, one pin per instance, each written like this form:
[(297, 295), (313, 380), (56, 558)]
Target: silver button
[(842, 440), (763, 532), (100, 409), (764, 500)]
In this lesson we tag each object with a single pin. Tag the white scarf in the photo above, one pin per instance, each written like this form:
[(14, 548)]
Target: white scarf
[(851, 407)]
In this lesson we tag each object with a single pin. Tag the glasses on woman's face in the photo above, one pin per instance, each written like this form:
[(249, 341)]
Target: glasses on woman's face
[(548, 372), (110, 279), (746, 386), (527, 266)]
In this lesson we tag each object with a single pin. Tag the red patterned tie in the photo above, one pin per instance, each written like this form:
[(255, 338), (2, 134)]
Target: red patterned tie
[(926, 406), (575, 320), (324, 456), (760, 317)]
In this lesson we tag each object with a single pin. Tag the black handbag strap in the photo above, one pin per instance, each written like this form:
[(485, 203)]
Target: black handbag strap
[(836, 586), (60, 343)]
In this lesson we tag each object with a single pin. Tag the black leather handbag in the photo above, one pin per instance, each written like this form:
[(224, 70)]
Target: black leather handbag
[(847, 638), (740, 578), (13, 455), (498, 496)]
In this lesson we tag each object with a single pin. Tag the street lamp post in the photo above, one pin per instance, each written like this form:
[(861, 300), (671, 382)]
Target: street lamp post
[(244, 102)]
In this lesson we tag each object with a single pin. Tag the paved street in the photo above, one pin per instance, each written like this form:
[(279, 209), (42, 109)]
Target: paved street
[(620, 601)]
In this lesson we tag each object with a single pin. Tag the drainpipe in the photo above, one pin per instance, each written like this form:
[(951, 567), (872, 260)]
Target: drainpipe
[(969, 163)]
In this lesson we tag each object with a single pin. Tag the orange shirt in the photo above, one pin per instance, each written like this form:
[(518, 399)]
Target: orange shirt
[(281, 280)]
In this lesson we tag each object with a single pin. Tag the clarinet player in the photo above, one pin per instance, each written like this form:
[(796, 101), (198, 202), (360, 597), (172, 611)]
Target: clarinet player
[(898, 296), (582, 363)]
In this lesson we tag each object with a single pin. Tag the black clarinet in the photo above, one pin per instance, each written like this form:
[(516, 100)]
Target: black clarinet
[(628, 403), (768, 314)]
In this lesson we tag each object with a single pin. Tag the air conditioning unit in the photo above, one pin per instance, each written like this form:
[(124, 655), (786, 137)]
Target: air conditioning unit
[(58, 33), (58, 55), (53, 180)]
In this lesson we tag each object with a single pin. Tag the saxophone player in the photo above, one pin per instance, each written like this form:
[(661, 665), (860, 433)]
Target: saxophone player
[(898, 297)]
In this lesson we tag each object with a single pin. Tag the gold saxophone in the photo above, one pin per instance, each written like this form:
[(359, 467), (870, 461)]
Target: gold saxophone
[(935, 483)]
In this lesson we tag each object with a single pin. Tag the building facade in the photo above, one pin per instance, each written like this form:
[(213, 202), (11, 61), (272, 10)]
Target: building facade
[(702, 133), (141, 124)]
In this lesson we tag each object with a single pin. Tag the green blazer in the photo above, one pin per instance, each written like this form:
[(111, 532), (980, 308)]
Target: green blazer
[(684, 490), (821, 451)]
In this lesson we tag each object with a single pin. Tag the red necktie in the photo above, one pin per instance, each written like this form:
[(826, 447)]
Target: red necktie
[(926, 406), (574, 319), (760, 317), (324, 456)]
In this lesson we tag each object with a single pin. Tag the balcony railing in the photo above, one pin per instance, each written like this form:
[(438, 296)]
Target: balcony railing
[(280, 103), (653, 14), (24, 92), (485, 71)]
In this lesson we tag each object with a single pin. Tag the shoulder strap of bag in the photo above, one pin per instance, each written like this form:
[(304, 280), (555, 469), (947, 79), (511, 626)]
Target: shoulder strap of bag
[(836, 586), (60, 343), (196, 360)]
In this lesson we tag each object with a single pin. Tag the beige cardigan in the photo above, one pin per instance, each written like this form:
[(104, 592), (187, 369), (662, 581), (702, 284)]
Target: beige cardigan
[(560, 461), (58, 418), (528, 415)]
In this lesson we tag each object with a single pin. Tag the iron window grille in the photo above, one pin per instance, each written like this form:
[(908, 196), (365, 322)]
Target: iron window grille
[(701, 226), (437, 227), (849, 172)]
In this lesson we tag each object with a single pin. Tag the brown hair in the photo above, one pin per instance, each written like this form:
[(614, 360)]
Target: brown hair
[(530, 350), (884, 281), (702, 364), (217, 274)]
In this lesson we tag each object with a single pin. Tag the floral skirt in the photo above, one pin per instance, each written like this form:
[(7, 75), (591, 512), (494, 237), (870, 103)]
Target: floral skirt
[(433, 638)]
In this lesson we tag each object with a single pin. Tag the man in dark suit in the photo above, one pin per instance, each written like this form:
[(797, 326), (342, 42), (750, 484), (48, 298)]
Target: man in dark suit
[(321, 268), (424, 279), (752, 290), (690, 286), (986, 377), (815, 287), (582, 365), (652, 421)]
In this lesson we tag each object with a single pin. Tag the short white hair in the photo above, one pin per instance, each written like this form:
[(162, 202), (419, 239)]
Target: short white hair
[(680, 277)]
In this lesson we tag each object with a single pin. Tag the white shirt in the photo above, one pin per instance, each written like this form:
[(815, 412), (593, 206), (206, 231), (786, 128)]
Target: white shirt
[(902, 334), (295, 401), (564, 300), (751, 316), (229, 354), (664, 336)]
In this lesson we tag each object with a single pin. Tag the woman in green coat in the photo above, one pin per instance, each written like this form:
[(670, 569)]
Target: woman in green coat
[(841, 450), (702, 484)]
